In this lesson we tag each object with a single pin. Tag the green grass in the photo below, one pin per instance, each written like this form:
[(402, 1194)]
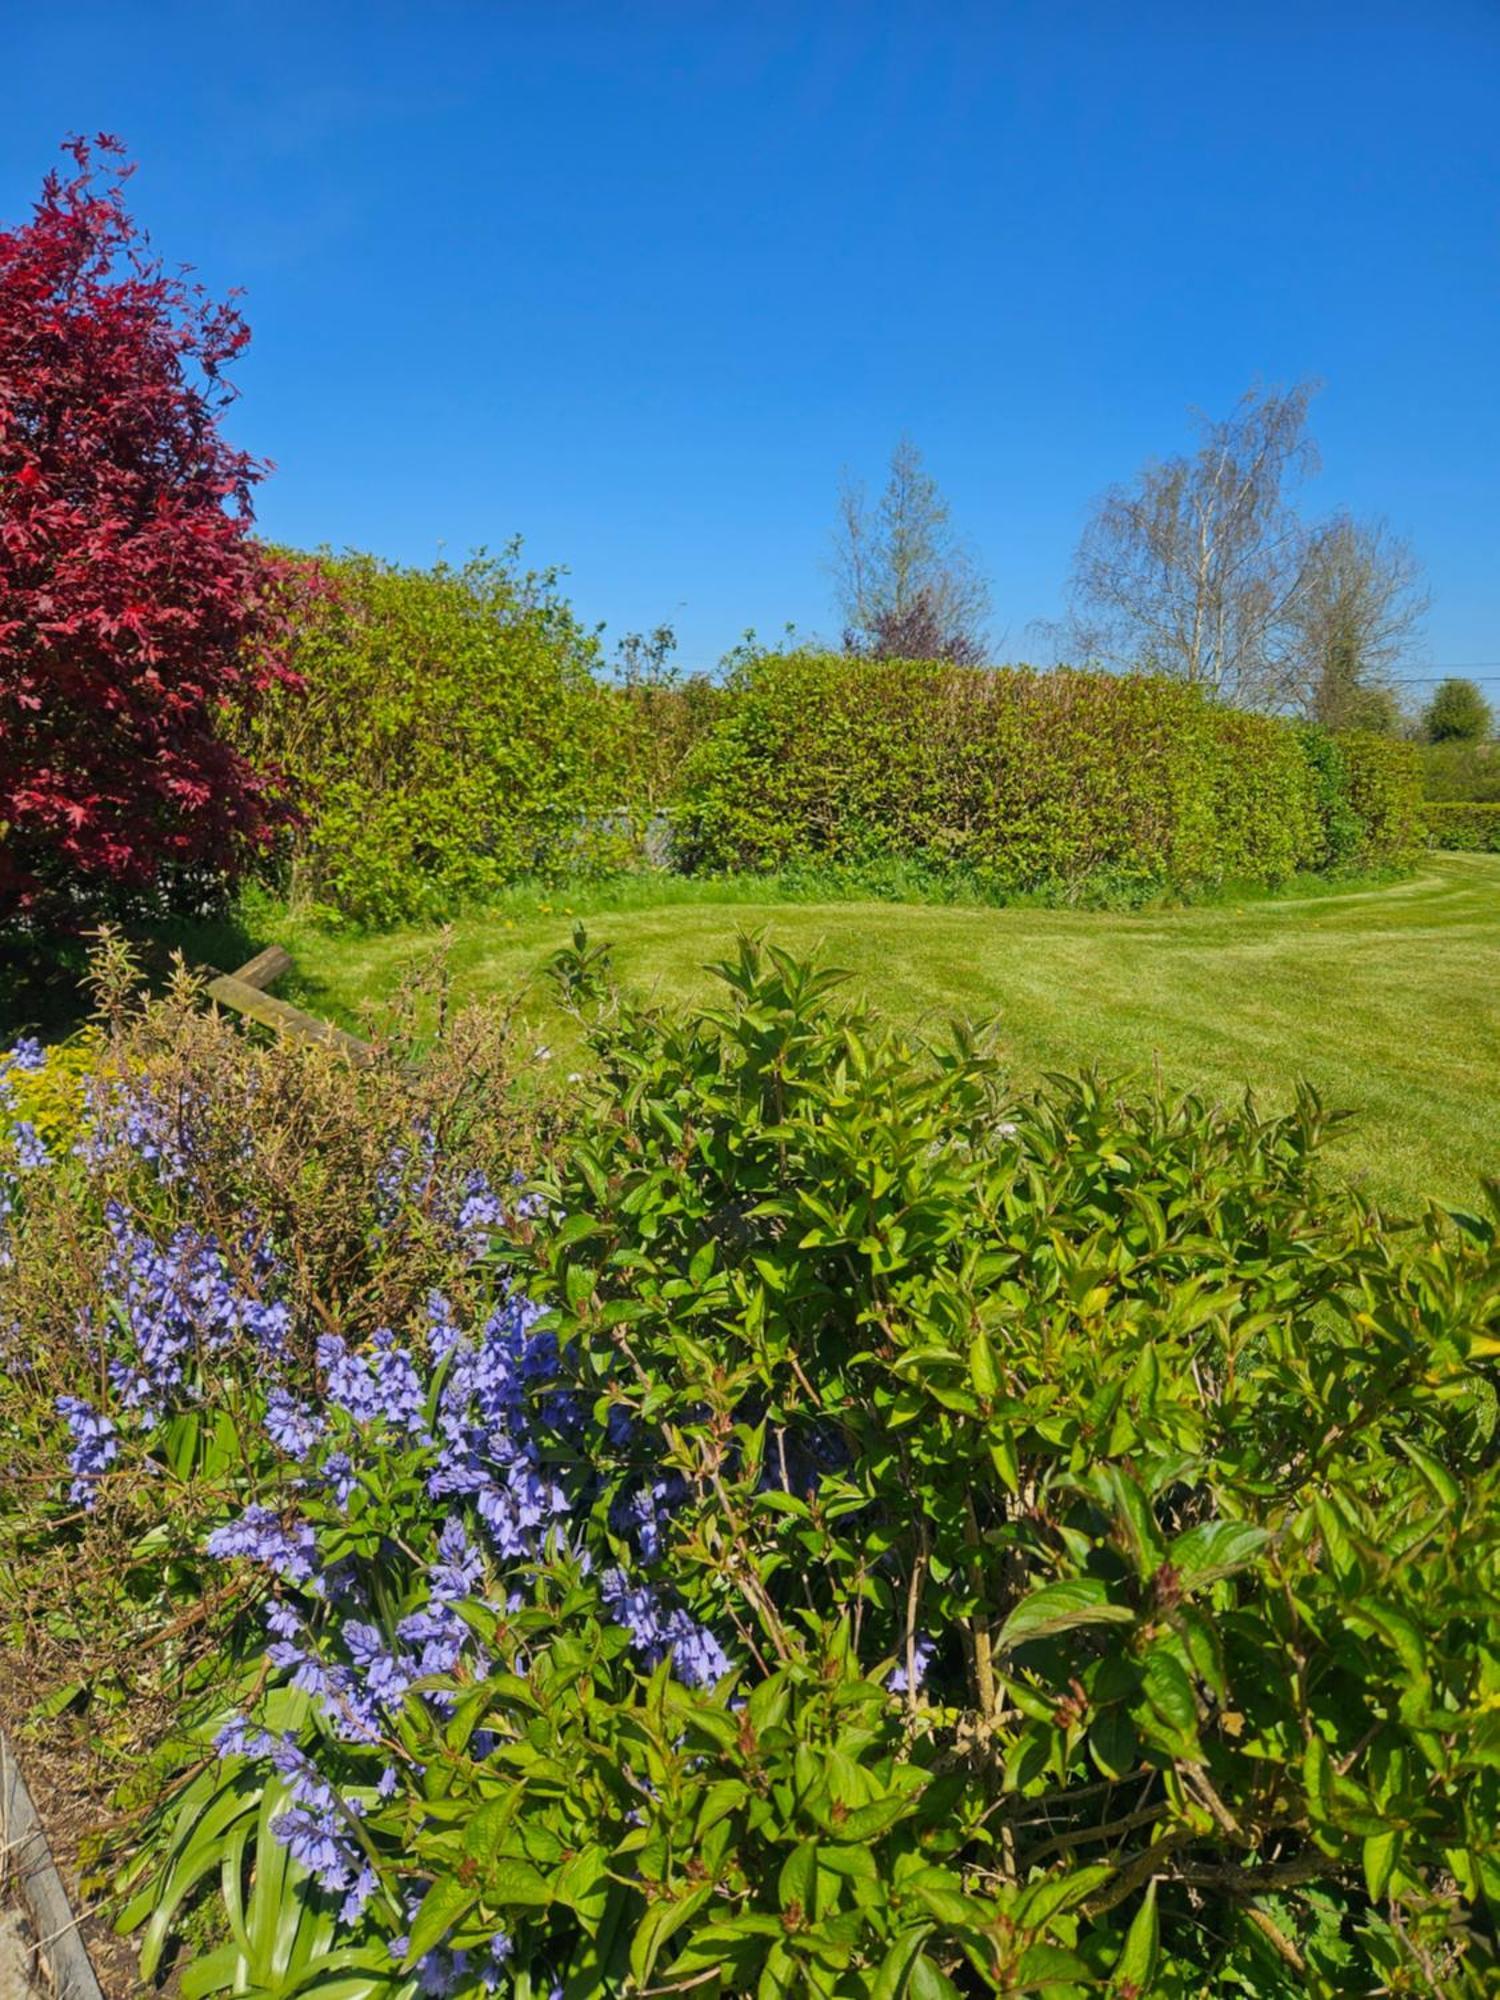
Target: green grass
[(1386, 998)]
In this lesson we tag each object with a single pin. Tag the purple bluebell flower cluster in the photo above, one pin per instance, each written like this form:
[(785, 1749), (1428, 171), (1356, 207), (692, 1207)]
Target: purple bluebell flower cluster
[(176, 1301), (644, 1514), (382, 1387), (441, 1972), (95, 1448), (471, 1212), (485, 1453), (259, 1536), (133, 1115), (697, 1657), (29, 1147), (496, 1451), (317, 1828), (291, 1426)]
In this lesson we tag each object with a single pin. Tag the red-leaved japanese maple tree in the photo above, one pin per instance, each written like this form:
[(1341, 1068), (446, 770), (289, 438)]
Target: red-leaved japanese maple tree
[(135, 605)]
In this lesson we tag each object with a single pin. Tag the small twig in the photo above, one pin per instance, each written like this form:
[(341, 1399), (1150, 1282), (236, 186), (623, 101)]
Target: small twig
[(1277, 1938)]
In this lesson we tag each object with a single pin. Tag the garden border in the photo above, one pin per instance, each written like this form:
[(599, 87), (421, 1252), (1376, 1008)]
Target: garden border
[(62, 1953)]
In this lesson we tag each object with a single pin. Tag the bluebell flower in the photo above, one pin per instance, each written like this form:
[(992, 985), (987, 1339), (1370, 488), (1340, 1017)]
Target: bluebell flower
[(644, 1513), (337, 1472), (923, 1651), (30, 1147), (258, 1536), (360, 1891), (385, 1386), (480, 1214), (95, 1448), (320, 1842), (291, 1426), (128, 1113), (697, 1657)]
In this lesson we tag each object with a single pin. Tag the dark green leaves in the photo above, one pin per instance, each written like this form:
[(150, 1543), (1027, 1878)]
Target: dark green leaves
[(1060, 1607)]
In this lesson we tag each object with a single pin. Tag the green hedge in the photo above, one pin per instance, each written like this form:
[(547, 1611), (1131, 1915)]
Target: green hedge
[(1030, 781), (1461, 773), (448, 736), (1473, 828)]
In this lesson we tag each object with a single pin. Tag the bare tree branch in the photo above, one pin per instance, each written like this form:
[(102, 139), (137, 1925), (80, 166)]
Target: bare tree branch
[(907, 587), (1197, 568)]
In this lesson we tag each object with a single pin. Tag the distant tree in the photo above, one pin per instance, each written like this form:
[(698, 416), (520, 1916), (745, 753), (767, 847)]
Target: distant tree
[(1195, 569), (908, 588), (1351, 623), (135, 605), (1457, 713)]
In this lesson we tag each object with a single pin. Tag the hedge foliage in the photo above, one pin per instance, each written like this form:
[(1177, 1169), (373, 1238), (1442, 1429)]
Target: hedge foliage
[(1031, 780), (1472, 828), (449, 735), (1461, 772), (452, 733)]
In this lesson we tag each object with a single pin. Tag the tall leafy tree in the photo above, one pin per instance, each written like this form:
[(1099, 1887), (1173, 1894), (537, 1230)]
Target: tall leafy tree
[(135, 605)]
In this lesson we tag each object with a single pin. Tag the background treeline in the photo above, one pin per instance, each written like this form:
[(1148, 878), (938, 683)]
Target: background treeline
[(450, 731)]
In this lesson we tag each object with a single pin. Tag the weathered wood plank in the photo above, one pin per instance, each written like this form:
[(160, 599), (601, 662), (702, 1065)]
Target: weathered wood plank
[(265, 968), (231, 991), (29, 1864)]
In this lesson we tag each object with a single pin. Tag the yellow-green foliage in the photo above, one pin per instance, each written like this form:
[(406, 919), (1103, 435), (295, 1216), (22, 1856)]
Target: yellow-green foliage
[(1028, 780), (50, 1097), (1385, 791), (446, 738), (1471, 828)]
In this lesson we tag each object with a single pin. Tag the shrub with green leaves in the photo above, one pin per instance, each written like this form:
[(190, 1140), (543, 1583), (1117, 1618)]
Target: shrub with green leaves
[(1461, 772), (1471, 829), (1063, 781), (444, 739), (1385, 794), (883, 1538)]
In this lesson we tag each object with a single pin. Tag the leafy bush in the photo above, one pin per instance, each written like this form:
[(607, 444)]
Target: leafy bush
[(1340, 830), (448, 737), (1457, 713), (1026, 780), (874, 1536), (1386, 796), (1473, 829), (134, 602), (1461, 772)]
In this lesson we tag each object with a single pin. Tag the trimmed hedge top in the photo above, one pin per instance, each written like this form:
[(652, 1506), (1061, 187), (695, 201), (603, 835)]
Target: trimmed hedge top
[(1472, 828), (1032, 780)]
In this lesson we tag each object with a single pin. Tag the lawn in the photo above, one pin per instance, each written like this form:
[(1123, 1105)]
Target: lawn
[(1386, 999)]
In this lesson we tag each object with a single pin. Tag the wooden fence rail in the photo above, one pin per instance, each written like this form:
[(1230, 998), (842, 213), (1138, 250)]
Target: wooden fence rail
[(244, 991)]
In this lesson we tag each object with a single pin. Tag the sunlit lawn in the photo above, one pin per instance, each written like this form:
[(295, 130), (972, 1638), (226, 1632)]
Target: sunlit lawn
[(1387, 1000)]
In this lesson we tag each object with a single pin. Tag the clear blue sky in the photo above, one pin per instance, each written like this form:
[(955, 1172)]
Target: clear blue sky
[(637, 281)]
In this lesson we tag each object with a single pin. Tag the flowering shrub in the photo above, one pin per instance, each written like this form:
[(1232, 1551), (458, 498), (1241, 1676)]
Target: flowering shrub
[(879, 1538), (852, 1533), (179, 1220)]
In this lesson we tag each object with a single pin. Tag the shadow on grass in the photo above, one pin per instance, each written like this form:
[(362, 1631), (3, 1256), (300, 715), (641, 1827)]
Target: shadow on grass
[(44, 981)]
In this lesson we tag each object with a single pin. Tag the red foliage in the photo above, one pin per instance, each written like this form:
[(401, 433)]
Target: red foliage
[(134, 602)]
